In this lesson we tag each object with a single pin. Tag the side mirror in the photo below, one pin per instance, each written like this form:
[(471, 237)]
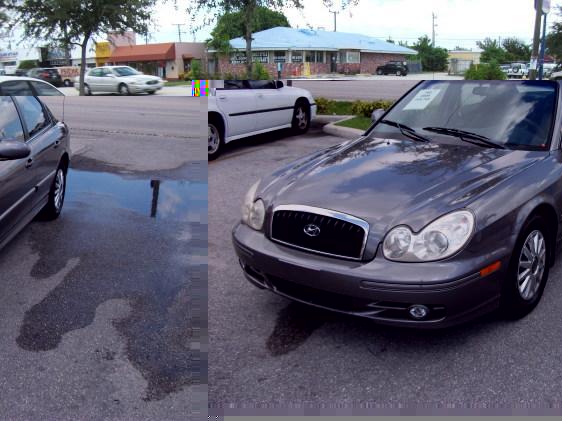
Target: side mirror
[(278, 84), (377, 114), (13, 149)]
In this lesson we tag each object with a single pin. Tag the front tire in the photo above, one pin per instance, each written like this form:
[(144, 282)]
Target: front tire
[(216, 138), (53, 208), (301, 118), (528, 270), (398, 73), (379, 72)]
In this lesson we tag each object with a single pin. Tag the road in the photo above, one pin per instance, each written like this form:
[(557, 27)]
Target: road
[(181, 90), (103, 311), (350, 90), (267, 351)]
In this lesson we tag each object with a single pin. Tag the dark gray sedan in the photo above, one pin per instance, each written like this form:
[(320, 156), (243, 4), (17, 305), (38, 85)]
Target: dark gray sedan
[(34, 159), (448, 207)]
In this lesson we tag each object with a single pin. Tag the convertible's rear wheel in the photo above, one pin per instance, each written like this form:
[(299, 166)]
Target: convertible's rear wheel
[(216, 141), (55, 202), (528, 270), (301, 117)]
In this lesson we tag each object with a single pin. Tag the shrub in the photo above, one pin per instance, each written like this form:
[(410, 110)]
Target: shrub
[(195, 73), (259, 72), (324, 105), (27, 64), (484, 71), (365, 108)]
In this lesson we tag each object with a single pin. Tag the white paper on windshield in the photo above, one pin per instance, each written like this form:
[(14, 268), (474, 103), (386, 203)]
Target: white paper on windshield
[(422, 99)]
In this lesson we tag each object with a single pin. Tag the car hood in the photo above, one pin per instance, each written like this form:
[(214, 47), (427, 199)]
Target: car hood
[(389, 182)]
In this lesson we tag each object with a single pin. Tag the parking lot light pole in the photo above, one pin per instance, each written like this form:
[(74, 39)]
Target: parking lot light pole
[(543, 42), (536, 40)]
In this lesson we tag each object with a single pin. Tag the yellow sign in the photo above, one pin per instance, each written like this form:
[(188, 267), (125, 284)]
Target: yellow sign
[(306, 70), (103, 49)]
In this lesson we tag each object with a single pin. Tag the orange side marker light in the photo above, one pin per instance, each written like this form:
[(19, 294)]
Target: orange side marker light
[(490, 268)]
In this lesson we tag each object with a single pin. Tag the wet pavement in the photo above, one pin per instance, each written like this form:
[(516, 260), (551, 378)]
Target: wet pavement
[(103, 311)]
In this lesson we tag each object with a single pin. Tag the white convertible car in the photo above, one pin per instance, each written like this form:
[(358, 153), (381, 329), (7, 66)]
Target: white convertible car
[(249, 107)]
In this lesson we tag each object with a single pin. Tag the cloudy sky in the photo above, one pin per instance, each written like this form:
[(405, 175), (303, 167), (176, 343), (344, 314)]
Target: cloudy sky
[(459, 22)]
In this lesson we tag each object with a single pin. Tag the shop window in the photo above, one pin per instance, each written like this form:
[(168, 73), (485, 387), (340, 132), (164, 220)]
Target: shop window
[(279, 57), (315, 57), (353, 57), (296, 56)]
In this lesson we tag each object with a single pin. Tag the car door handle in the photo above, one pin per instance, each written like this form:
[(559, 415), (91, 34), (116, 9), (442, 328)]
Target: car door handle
[(29, 163), (222, 97)]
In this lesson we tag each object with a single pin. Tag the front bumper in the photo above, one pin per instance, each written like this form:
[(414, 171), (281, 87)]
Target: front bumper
[(145, 88), (378, 289)]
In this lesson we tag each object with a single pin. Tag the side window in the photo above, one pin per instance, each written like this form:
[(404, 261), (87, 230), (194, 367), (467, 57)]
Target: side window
[(95, 72), (10, 124), (43, 89), (16, 88), (262, 84), (33, 114), (107, 72)]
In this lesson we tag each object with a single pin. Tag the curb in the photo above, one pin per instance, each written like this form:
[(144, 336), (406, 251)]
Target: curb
[(340, 131)]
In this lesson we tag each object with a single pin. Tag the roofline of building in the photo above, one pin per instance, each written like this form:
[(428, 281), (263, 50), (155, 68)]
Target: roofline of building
[(316, 49)]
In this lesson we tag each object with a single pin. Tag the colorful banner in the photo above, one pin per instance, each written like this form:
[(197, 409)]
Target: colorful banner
[(199, 88)]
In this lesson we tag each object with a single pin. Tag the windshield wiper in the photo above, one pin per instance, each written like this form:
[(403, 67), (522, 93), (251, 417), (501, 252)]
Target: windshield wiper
[(406, 131), (464, 135)]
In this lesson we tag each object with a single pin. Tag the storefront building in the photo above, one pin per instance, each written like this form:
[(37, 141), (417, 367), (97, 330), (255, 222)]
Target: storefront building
[(305, 52), (170, 60)]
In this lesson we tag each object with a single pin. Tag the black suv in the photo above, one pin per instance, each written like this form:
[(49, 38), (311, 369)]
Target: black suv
[(48, 75), (398, 68)]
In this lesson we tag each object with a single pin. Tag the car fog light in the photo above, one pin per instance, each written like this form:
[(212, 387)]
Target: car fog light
[(418, 311)]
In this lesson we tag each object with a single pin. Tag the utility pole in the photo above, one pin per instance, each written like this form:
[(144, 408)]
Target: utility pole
[(536, 40), (433, 25), (179, 25), (335, 13)]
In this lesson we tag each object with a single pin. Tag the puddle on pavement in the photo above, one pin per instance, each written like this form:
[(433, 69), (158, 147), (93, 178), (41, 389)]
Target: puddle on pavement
[(156, 198), (143, 241)]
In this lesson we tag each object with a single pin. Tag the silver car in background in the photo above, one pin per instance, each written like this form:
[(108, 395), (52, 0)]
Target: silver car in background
[(119, 79)]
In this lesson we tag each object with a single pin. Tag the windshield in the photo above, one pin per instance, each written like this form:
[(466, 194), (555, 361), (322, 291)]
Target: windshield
[(515, 114), (125, 71)]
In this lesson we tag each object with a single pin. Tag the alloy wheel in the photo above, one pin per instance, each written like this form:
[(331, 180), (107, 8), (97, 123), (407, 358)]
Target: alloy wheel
[(59, 189), (532, 263), (214, 139), (302, 119)]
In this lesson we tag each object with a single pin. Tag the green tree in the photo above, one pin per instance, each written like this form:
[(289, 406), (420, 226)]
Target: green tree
[(432, 58), (485, 71), (554, 37), (27, 64), (76, 22), (230, 25), (516, 50), (247, 9), (491, 51)]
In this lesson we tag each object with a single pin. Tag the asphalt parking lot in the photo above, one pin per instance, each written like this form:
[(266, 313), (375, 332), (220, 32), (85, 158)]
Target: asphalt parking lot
[(267, 351), (103, 311)]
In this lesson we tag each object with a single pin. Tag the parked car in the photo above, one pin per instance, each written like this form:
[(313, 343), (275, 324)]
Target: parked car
[(518, 71), (248, 107), (22, 86), (446, 208), (398, 68), (34, 160), (50, 75), (119, 79), (505, 68)]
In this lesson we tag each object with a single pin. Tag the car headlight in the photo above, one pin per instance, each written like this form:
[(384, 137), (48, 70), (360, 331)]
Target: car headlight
[(440, 239), (253, 211)]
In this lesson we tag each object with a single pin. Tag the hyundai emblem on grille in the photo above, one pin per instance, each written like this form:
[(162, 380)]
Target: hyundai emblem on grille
[(312, 230)]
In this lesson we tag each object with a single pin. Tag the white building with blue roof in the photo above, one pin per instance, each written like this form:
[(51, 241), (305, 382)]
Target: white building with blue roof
[(310, 51)]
